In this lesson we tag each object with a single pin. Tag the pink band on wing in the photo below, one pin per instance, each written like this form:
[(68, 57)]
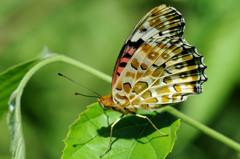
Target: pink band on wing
[(128, 50)]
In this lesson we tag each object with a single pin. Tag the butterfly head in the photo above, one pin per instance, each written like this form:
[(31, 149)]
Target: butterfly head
[(106, 102)]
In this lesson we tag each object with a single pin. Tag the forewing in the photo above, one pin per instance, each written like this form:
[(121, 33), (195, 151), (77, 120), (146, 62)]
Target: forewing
[(162, 21), (162, 71)]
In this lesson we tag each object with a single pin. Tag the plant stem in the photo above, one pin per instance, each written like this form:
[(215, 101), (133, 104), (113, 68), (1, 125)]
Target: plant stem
[(84, 67), (210, 132)]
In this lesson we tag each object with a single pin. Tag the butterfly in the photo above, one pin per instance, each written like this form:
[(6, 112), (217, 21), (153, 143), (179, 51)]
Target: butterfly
[(155, 67)]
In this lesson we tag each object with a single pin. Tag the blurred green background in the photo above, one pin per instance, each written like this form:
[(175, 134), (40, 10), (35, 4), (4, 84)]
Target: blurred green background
[(93, 32)]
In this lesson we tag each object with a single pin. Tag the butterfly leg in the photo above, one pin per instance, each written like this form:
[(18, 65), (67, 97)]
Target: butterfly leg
[(110, 141), (145, 117)]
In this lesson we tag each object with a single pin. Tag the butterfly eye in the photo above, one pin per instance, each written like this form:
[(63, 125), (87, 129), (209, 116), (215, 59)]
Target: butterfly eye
[(101, 103)]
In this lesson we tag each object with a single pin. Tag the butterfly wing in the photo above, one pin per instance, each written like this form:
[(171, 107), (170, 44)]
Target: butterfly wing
[(162, 70), (162, 21)]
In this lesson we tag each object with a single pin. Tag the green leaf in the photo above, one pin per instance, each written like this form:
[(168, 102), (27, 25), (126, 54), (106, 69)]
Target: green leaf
[(133, 137), (10, 80), (17, 146)]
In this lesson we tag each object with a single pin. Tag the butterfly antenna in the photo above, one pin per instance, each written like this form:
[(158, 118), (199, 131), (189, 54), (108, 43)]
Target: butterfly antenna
[(98, 95), (76, 93)]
